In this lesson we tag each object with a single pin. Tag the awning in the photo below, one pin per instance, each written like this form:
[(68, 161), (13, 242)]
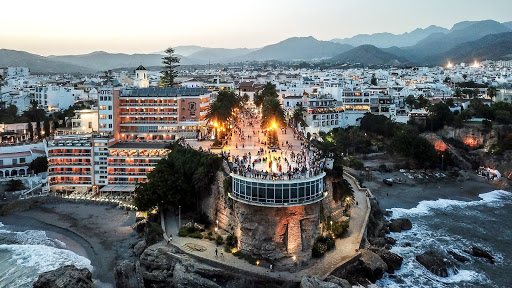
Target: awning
[(118, 188)]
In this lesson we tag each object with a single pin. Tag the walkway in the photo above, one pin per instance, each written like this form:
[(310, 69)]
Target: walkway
[(346, 248)]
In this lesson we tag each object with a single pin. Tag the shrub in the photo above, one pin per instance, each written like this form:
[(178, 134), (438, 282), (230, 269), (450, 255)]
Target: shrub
[(219, 240), (322, 245), (196, 234), (247, 257), (339, 228), (203, 219), (154, 233), (231, 242)]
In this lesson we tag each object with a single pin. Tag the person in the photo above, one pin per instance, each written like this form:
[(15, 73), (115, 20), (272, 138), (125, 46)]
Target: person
[(271, 268), (216, 252)]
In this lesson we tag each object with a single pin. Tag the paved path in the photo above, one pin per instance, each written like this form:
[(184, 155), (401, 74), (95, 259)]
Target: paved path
[(345, 250)]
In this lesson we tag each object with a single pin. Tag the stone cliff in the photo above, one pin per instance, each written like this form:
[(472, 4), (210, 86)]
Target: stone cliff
[(273, 233)]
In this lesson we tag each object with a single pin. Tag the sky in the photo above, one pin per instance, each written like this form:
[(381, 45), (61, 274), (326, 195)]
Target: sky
[(60, 27)]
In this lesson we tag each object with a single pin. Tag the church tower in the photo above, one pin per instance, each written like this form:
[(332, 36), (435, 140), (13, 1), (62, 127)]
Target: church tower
[(141, 77)]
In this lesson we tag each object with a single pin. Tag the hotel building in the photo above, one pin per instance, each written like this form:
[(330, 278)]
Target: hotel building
[(127, 139)]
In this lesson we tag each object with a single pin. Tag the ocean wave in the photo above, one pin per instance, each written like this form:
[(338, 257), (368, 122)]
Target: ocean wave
[(1, 224), (45, 258), (424, 208)]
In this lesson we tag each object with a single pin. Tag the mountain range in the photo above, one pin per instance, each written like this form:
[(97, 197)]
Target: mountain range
[(465, 41)]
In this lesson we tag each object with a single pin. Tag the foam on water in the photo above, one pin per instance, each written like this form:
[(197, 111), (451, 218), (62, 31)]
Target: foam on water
[(493, 198), (45, 258), (1, 224)]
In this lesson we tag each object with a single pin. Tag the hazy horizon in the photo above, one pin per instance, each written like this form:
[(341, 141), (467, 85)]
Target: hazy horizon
[(55, 27)]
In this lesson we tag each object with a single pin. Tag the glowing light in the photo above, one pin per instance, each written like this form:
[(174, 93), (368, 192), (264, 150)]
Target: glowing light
[(258, 262), (234, 250), (476, 64), (449, 65), (294, 258), (274, 125)]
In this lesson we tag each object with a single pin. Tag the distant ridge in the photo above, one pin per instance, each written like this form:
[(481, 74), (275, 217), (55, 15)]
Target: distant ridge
[(368, 55), (38, 64)]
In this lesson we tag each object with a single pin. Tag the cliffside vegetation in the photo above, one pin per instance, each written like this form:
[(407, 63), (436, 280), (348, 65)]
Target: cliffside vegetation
[(180, 179)]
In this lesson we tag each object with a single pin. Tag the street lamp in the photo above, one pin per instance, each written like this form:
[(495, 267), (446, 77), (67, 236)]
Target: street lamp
[(331, 225)]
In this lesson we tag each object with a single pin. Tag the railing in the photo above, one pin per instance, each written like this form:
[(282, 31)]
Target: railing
[(70, 182), (136, 156), (148, 104), (128, 173), (146, 113), (69, 154), (148, 122), (69, 163), (121, 182), (131, 164), (51, 173)]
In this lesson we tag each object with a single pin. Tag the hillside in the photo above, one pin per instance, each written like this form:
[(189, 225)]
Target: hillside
[(461, 33), (368, 55), (101, 61), (386, 40), (38, 64), (219, 55), (494, 46), (296, 48)]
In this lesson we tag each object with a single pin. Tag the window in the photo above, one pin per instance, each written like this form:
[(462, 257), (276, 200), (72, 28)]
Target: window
[(1, 162), (109, 116), (109, 125), (109, 107), (14, 161), (22, 160), (90, 125)]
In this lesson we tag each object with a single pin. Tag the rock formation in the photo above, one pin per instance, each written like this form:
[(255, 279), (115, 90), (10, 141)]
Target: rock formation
[(437, 263), (65, 277), (129, 275), (400, 224), (392, 260)]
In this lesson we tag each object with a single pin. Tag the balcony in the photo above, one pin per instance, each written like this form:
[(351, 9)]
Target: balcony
[(148, 105), (127, 174), (79, 164), (85, 173), (70, 182), (129, 122), (122, 182), (57, 154), (134, 164), (147, 113)]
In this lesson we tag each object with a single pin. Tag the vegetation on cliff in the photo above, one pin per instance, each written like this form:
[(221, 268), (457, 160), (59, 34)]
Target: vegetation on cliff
[(180, 179)]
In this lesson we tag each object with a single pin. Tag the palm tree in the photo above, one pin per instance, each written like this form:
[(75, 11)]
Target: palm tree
[(272, 112), (491, 92), (298, 116)]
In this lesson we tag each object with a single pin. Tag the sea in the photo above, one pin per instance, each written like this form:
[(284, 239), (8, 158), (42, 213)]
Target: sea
[(26, 254), (444, 225)]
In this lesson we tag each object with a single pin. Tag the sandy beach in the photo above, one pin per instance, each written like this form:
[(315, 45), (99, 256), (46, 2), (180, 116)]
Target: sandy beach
[(409, 194), (100, 232)]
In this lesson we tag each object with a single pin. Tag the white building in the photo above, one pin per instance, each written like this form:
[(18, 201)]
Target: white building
[(85, 121), (141, 77), (14, 160)]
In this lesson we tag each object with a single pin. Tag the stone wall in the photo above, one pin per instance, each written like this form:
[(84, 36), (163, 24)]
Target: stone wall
[(471, 135), (273, 233)]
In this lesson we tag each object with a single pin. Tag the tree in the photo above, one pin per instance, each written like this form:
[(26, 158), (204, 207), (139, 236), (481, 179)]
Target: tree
[(12, 111), (298, 116), (491, 93), (179, 179), (245, 98), (410, 101), (465, 76), (14, 185), (271, 111), (476, 91), (269, 91), (447, 80), (40, 164), (30, 129), (109, 78), (374, 80), (46, 127), (38, 129), (458, 93), (441, 115), (258, 99), (169, 72)]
